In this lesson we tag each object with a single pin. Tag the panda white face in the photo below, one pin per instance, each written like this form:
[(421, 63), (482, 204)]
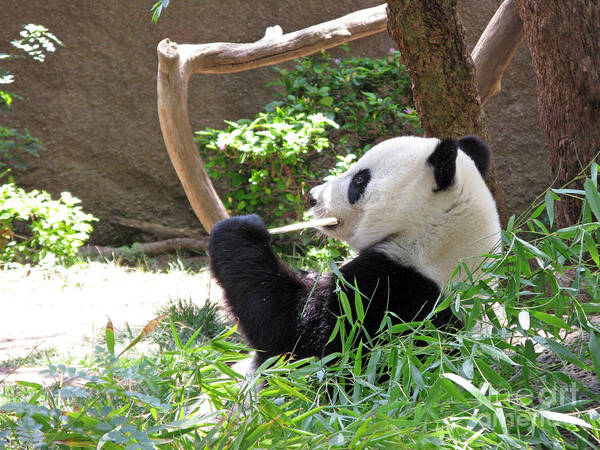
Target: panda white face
[(379, 195), (415, 199)]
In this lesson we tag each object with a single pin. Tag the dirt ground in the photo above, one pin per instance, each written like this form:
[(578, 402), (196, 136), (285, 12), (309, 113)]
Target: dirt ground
[(67, 309)]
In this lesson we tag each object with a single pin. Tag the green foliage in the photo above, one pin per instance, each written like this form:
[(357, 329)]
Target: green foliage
[(412, 386), (367, 97), (36, 229), (13, 143), (33, 227), (187, 318), (266, 161), (157, 9), (35, 42)]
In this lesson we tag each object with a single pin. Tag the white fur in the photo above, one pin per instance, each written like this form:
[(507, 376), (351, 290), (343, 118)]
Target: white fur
[(401, 214)]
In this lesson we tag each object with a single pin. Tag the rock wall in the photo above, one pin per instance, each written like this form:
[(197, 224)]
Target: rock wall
[(93, 102)]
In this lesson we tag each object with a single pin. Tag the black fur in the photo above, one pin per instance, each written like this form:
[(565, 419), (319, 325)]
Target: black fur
[(280, 311), (358, 185), (443, 160), (478, 151)]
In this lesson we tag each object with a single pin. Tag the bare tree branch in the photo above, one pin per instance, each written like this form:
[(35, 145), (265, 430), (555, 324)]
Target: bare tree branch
[(275, 48), (495, 49)]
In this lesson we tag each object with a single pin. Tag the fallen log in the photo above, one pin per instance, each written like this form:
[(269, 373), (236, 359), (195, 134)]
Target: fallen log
[(148, 248), (158, 230)]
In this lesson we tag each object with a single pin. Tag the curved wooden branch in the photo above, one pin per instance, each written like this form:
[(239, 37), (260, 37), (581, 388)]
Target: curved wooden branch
[(177, 63), (495, 49), (179, 139), (275, 48)]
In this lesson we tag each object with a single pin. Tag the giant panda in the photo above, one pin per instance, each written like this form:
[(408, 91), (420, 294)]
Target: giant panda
[(411, 207)]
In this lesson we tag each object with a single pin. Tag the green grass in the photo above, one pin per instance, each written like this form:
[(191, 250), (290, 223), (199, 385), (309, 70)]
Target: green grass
[(411, 387), (187, 318)]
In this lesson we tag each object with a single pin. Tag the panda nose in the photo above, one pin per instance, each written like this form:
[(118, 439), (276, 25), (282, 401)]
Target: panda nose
[(312, 201)]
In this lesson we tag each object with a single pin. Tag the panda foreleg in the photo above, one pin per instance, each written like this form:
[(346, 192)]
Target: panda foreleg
[(263, 293)]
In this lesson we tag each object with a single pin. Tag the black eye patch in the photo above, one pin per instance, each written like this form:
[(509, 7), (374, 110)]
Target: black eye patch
[(358, 185)]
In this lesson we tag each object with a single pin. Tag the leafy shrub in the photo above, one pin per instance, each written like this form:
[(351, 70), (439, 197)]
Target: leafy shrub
[(13, 144), (34, 228), (416, 388), (35, 42), (270, 162), (368, 97), (267, 160)]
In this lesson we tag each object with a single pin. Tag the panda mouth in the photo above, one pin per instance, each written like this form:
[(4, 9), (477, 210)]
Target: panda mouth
[(321, 215), (332, 227)]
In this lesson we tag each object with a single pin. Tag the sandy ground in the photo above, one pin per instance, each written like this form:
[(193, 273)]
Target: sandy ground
[(67, 309)]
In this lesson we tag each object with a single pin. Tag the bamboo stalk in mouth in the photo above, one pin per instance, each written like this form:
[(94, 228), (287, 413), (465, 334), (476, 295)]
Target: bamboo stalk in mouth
[(327, 221)]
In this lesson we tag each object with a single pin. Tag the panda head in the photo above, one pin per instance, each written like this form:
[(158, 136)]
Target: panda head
[(413, 191)]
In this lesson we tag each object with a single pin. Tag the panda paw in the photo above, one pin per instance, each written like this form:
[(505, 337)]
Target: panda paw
[(238, 232)]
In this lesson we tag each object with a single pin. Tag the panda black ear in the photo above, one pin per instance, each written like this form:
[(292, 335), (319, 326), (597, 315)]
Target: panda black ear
[(478, 151), (443, 161)]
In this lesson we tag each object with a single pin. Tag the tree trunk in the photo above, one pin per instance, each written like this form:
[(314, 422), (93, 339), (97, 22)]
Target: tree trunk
[(564, 40), (430, 38)]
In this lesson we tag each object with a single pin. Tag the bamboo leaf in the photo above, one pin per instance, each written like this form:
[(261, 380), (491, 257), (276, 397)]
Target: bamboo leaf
[(591, 247), (593, 197), (551, 320), (175, 334), (358, 359), (524, 319), (562, 351), (595, 352), (470, 388), (361, 430), (224, 368), (492, 375), (146, 331), (291, 391), (417, 377), (451, 388), (308, 413), (110, 336), (565, 418), (345, 305), (549, 200), (533, 250), (496, 353), (358, 304)]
